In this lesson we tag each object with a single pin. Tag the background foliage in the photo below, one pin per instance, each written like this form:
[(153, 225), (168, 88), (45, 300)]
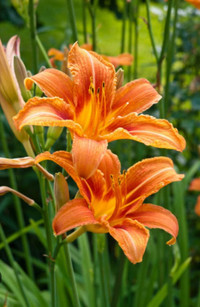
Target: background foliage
[(154, 281)]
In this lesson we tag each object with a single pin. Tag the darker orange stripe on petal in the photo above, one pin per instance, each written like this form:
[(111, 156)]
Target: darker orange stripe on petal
[(87, 67), (149, 176)]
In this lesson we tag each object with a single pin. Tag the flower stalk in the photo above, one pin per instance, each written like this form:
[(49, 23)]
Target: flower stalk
[(33, 35)]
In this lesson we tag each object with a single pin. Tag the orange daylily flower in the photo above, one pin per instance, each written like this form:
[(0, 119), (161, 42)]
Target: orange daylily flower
[(196, 3), (121, 59), (113, 202), (94, 110), (195, 186)]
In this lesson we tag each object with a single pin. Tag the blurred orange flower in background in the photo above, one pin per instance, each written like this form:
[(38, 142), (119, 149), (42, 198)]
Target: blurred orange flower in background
[(196, 3), (121, 59), (195, 186)]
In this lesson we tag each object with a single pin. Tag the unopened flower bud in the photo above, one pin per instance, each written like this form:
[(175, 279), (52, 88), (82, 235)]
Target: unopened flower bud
[(61, 190), (21, 74), (52, 135), (120, 78)]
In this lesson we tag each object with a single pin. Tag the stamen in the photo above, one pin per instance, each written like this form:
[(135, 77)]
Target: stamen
[(103, 100), (125, 186), (116, 185)]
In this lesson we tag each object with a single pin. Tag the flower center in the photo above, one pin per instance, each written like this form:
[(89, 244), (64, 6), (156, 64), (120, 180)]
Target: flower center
[(93, 115)]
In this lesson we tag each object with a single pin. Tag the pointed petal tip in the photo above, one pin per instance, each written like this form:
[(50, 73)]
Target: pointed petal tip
[(172, 241), (28, 82)]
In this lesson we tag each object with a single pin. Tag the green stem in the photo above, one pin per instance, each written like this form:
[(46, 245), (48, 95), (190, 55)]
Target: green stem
[(74, 235), (84, 21), (118, 281), (170, 56), (71, 276), (12, 263), (92, 10), (69, 141), (130, 9), (33, 35), (72, 19), (19, 214), (149, 25), (163, 54), (136, 40), (48, 228), (43, 51), (124, 26), (102, 267), (34, 139), (179, 204)]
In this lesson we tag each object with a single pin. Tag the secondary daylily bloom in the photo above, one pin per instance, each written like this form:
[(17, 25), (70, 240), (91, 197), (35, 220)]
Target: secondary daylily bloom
[(11, 99), (113, 202), (196, 3), (195, 186), (121, 59), (94, 110)]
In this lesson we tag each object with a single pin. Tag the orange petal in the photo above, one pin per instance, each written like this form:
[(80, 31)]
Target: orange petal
[(87, 67), (149, 176), (110, 165), (53, 83), (16, 163), (121, 59), (64, 159), (137, 96), (195, 185), (94, 187), (87, 154), (145, 129), (47, 112), (56, 54), (154, 216), (197, 206), (132, 238), (73, 214)]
